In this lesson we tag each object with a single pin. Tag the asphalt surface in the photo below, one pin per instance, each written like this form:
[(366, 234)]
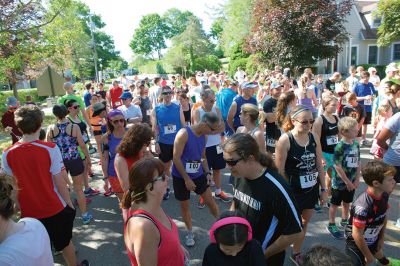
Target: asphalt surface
[(101, 242)]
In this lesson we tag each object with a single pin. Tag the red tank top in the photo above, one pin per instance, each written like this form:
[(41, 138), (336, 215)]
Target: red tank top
[(170, 252)]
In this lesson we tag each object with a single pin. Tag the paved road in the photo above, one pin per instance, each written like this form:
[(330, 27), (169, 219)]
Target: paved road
[(101, 242)]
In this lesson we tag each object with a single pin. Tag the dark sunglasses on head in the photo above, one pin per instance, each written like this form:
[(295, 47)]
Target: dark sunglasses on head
[(118, 121), (306, 122), (75, 107), (233, 162), (166, 93)]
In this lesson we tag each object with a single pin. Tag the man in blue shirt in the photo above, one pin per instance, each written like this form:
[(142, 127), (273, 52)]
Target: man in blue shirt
[(224, 101), (87, 96), (365, 91)]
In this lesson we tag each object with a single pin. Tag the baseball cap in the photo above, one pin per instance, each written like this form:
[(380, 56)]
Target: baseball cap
[(391, 68), (98, 108), (126, 95), (276, 85), (250, 85), (12, 101), (68, 85)]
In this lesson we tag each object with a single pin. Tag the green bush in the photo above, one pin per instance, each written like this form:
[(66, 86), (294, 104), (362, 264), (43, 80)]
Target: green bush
[(234, 64), (154, 67), (210, 62)]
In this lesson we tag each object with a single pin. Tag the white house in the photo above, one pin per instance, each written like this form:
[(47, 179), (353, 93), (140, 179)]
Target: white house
[(361, 47)]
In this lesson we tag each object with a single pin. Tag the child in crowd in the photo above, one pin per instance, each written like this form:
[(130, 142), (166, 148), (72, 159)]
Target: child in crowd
[(324, 255), (232, 243), (367, 223), (355, 110), (346, 178), (343, 91), (384, 113)]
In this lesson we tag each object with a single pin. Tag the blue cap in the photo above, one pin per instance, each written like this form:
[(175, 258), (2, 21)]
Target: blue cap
[(126, 95), (250, 85)]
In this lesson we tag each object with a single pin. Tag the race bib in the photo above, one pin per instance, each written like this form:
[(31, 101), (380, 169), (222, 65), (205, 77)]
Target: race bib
[(169, 129), (352, 162), (117, 103), (219, 149), (85, 137), (271, 142), (148, 112), (332, 140), (192, 167), (371, 234), (307, 181), (368, 102), (344, 101)]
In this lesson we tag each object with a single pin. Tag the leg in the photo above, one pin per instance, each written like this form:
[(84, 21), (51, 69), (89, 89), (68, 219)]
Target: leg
[(217, 180), (98, 142), (305, 216), (167, 167), (69, 254), (345, 211), (85, 177), (186, 214), (364, 131), (210, 202), (332, 213), (79, 193)]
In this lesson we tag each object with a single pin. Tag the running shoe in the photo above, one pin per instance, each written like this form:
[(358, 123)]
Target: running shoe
[(222, 196), (166, 195), (344, 223), (297, 259), (87, 218), (92, 150), (317, 208), (212, 183), (189, 242), (91, 192), (84, 263), (334, 231), (200, 203), (108, 192)]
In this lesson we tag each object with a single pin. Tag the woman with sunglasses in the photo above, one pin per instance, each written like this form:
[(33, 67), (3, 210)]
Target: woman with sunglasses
[(73, 111), (299, 159), (151, 237), (116, 124), (248, 118), (263, 196)]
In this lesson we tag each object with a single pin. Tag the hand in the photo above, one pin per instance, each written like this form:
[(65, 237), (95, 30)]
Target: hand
[(356, 183), (209, 178), (368, 97), (190, 184), (8, 130), (324, 197), (369, 259), (158, 150), (350, 186)]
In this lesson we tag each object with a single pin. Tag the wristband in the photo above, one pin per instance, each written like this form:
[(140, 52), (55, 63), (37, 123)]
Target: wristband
[(324, 190)]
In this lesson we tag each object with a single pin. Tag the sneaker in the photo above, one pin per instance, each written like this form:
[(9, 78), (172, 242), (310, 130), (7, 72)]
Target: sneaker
[(91, 192), (222, 196), (200, 203), (92, 150), (189, 242), (84, 263), (87, 218), (108, 193), (317, 208), (332, 228), (344, 223), (166, 195), (297, 259)]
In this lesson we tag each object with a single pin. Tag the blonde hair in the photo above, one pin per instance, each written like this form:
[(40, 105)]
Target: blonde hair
[(345, 85), (351, 97), (253, 112), (327, 100), (346, 123), (7, 196), (383, 109)]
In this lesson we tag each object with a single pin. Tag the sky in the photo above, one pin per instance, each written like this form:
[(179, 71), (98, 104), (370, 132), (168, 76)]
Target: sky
[(122, 17)]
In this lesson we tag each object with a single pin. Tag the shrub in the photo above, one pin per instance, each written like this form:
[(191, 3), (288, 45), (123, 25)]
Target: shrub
[(210, 62), (234, 64)]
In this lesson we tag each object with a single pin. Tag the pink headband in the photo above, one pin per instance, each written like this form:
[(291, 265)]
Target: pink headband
[(230, 220)]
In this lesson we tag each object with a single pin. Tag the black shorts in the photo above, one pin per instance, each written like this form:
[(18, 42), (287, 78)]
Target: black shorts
[(277, 259), (74, 167), (59, 227), (341, 195), (215, 160), (356, 256), (166, 152), (397, 175), (97, 133), (307, 200), (180, 190), (367, 120)]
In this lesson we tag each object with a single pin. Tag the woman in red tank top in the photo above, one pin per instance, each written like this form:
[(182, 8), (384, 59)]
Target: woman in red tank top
[(151, 237), (132, 148)]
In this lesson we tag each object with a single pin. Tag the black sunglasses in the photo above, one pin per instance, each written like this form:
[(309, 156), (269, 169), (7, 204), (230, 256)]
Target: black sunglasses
[(166, 93), (75, 107), (305, 122), (233, 162)]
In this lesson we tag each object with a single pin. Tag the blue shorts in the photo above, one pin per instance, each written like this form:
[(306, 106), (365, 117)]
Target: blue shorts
[(329, 161), (215, 160)]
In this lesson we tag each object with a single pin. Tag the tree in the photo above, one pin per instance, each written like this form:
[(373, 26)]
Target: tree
[(389, 30), (298, 33), (150, 37), (176, 21), (217, 28)]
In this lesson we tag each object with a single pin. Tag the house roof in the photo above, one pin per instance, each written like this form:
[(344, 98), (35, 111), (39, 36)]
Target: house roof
[(365, 7)]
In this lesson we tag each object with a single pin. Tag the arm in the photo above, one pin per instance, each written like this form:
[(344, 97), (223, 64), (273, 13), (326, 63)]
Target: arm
[(281, 150), (320, 168), (121, 168), (76, 132), (259, 136), (317, 128), (314, 98), (231, 115), (358, 236), (105, 158), (155, 129), (204, 163), (86, 118), (49, 133), (383, 136), (196, 117), (282, 243), (61, 185), (182, 117)]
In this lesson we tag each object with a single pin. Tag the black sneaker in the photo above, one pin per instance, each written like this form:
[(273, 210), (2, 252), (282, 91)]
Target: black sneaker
[(344, 223), (166, 195)]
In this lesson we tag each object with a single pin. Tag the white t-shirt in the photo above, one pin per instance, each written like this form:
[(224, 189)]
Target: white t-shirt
[(30, 246), (154, 93), (352, 82), (195, 91), (240, 76), (133, 111)]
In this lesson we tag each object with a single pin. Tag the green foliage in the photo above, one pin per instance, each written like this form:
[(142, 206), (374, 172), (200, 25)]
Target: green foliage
[(177, 21), (22, 93), (217, 27), (154, 67), (149, 37), (233, 65), (380, 69), (210, 62), (389, 30)]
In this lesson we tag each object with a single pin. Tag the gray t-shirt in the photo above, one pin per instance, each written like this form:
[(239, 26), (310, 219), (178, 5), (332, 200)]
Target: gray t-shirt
[(392, 156)]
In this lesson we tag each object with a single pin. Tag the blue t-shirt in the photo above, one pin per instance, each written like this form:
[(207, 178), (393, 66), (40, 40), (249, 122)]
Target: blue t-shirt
[(392, 156), (239, 102), (224, 101), (361, 90), (87, 97), (168, 121)]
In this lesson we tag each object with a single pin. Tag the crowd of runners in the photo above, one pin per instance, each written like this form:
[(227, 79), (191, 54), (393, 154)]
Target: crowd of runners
[(291, 145)]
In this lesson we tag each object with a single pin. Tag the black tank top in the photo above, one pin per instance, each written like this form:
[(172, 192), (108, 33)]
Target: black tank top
[(301, 165), (329, 135), (82, 126), (187, 113)]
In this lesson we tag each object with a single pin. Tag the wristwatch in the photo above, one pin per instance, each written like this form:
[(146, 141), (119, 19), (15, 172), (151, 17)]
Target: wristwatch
[(324, 190)]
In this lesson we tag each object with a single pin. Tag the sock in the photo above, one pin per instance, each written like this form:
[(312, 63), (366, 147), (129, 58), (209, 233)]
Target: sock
[(384, 261), (218, 191), (332, 224)]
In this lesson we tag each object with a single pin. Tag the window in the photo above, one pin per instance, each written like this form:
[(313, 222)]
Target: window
[(373, 54), (354, 55), (376, 23), (396, 51)]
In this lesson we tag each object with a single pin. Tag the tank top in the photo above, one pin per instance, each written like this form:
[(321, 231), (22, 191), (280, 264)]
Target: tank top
[(113, 142), (395, 109), (239, 102), (306, 102), (67, 144), (169, 251), (168, 121), (187, 114), (130, 160), (95, 121), (82, 126), (301, 165), (191, 156), (212, 140), (329, 135)]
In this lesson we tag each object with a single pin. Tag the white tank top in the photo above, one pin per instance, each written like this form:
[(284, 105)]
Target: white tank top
[(212, 140)]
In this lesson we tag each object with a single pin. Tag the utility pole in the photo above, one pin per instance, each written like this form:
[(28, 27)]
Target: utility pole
[(91, 27)]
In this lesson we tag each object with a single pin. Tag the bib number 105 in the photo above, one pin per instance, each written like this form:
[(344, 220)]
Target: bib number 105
[(307, 181)]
